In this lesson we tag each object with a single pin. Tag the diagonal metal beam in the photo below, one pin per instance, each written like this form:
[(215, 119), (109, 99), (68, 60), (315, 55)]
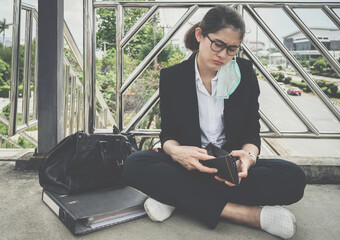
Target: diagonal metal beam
[(315, 41), (138, 25), (332, 15), (297, 66), (23, 134), (269, 124), (278, 90), (145, 109), (157, 49)]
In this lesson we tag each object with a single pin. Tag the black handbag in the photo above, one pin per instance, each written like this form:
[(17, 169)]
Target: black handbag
[(84, 162)]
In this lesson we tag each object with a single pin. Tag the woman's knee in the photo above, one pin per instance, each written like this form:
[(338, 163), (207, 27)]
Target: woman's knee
[(302, 181), (138, 163), (133, 162), (297, 182), (288, 181)]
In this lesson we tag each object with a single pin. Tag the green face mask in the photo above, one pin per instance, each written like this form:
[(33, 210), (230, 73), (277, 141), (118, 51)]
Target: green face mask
[(229, 77)]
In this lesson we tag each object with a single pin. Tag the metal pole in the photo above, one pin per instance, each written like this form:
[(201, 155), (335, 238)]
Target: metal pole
[(27, 67), (145, 109), (120, 67), (51, 74), (138, 25), (332, 15), (66, 98), (36, 68), (15, 67), (89, 59), (72, 102), (269, 123), (176, 4)]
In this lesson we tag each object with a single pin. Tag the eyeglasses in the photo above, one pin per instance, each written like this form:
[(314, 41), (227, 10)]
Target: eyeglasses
[(218, 46)]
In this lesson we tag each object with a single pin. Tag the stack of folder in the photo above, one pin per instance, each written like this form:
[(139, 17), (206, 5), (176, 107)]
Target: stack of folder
[(91, 211)]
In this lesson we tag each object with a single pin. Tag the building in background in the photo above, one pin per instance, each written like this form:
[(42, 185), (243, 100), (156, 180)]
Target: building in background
[(302, 49)]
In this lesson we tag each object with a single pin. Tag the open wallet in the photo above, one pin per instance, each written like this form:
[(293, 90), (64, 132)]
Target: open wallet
[(223, 162)]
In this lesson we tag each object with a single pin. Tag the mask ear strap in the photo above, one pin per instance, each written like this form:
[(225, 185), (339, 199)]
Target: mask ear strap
[(235, 58)]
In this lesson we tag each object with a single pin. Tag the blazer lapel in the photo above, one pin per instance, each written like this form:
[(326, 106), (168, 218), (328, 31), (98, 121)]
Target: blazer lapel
[(188, 104)]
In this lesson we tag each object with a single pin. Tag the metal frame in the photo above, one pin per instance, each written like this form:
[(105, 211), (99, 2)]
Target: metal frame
[(8, 142), (32, 14), (80, 100), (297, 66), (15, 66), (26, 123), (288, 7)]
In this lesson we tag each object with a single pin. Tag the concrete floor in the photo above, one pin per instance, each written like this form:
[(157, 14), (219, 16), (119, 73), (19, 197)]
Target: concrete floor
[(25, 216)]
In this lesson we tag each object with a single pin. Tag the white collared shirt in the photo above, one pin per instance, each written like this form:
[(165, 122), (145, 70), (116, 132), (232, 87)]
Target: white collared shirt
[(210, 111)]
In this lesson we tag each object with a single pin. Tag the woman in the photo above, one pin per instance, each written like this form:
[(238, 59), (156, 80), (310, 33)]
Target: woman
[(213, 98)]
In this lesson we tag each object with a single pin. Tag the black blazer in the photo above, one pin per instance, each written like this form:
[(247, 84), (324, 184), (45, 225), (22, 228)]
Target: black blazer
[(179, 107)]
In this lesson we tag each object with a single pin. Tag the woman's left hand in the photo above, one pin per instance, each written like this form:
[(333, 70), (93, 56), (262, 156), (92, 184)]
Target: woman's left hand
[(243, 164)]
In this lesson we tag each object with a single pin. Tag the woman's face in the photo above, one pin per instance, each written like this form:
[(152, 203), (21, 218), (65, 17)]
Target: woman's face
[(213, 61)]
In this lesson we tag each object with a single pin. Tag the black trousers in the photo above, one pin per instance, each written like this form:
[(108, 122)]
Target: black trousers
[(269, 182)]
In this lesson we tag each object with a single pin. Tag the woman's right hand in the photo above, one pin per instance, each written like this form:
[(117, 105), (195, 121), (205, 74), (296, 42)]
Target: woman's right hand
[(189, 156)]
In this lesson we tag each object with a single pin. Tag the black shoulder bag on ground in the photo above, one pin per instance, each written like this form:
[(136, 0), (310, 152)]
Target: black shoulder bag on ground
[(83, 162)]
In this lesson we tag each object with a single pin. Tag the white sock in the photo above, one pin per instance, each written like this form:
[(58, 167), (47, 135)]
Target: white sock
[(157, 211), (278, 221)]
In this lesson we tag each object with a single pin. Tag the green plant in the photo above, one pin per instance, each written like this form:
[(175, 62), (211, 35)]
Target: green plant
[(4, 91), (333, 89), (320, 65), (278, 76), (3, 127), (6, 110), (304, 64), (337, 95), (24, 143), (321, 83), (287, 80), (301, 85), (4, 73)]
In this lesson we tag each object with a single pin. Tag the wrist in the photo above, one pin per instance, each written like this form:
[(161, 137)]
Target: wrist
[(253, 157), (170, 146)]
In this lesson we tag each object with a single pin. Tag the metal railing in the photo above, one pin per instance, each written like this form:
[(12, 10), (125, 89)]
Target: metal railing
[(74, 90), (81, 97), (9, 143), (243, 6)]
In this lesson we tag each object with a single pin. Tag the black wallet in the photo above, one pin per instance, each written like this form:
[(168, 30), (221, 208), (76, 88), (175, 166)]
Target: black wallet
[(223, 162)]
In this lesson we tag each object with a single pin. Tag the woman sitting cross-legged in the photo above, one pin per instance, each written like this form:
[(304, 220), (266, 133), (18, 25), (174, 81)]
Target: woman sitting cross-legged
[(213, 98)]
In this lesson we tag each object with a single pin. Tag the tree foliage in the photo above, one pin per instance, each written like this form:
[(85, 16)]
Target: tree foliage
[(106, 17), (320, 65), (4, 25), (4, 73)]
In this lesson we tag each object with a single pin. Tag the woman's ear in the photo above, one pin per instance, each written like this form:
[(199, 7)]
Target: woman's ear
[(198, 34)]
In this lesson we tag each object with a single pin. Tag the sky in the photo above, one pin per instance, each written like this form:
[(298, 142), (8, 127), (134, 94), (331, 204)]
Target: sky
[(280, 24)]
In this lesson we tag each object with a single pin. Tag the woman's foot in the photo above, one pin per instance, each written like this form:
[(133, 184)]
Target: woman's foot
[(275, 220), (278, 221), (157, 211)]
